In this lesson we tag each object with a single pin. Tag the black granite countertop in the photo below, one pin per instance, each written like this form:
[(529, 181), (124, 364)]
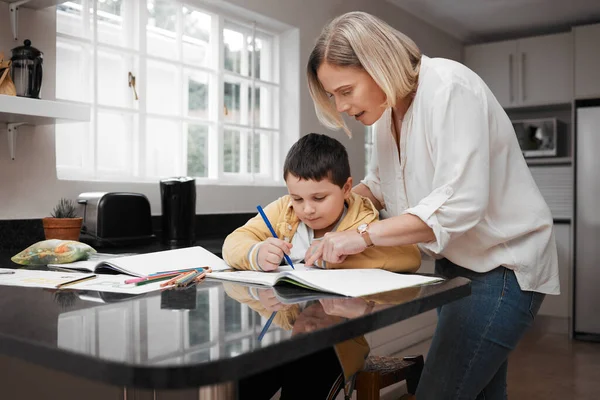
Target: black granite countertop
[(180, 339)]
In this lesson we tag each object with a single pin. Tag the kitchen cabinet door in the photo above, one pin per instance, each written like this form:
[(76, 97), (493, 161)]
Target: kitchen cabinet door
[(495, 63), (545, 70), (587, 61)]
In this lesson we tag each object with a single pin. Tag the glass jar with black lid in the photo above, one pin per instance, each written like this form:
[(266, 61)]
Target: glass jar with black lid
[(26, 70)]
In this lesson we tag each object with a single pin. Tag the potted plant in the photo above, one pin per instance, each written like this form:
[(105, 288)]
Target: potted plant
[(63, 223)]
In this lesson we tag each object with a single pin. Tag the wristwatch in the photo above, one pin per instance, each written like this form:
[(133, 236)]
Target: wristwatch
[(363, 229)]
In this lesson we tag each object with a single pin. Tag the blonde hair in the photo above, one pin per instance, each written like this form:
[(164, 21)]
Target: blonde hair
[(360, 40)]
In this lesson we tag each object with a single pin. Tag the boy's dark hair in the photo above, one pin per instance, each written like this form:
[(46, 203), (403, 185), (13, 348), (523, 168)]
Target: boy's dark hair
[(316, 157)]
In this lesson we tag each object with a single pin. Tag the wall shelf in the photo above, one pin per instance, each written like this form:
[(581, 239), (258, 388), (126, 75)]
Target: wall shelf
[(17, 111), (13, 8)]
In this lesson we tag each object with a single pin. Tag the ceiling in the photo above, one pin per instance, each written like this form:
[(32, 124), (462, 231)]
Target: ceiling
[(473, 21)]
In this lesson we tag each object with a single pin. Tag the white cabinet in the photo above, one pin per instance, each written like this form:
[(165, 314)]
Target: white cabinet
[(587, 61), (404, 334), (526, 72), (495, 64)]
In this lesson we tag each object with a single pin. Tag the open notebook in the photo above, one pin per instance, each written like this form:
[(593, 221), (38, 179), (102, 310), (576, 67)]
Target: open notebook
[(346, 282), (142, 265)]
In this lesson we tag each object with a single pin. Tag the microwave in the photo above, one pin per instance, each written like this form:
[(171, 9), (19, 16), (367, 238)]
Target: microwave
[(540, 137)]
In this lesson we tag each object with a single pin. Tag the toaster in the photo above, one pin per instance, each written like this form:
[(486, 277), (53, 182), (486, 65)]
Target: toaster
[(115, 218)]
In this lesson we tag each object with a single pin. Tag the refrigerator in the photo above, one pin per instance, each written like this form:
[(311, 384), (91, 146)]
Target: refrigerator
[(586, 315)]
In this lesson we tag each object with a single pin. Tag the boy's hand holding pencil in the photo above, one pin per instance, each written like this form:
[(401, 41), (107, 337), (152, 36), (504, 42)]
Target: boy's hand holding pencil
[(271, 252)]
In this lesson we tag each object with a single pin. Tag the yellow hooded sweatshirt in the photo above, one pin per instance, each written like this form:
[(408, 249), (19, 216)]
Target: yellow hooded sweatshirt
[(285, 223)]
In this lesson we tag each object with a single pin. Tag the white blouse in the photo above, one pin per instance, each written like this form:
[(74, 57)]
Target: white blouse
[(461, 171)]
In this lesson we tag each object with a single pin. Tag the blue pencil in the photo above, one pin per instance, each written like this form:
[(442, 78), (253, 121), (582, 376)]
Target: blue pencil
[(264, 217), (266, 327)]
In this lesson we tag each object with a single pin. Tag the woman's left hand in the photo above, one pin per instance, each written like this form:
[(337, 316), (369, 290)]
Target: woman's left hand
[(335, 247)]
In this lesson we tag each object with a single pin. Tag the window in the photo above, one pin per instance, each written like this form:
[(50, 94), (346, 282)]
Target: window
[(369, 142), (174, 90)]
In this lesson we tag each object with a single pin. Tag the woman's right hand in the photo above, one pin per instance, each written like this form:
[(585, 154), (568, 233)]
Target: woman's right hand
[(270, 253)]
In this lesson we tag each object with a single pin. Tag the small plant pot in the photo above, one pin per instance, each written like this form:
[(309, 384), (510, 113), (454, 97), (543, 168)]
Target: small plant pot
[(62, 228)]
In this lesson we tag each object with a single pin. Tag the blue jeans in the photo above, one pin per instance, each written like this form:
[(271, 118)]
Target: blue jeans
[(468, 357)]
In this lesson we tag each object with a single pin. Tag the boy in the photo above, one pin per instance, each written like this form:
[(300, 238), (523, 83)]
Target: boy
[(320, 200)]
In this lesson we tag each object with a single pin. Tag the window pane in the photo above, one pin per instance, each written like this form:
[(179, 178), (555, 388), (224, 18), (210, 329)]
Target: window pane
[(233, 315), (73, 71), (114, 138), (71, 144), (198, 87), (196, 38), (199, 319), (113, 82), (69, 19), (163, 148), (263, 57), (235, 348), (231, 151), (163, 88), (254, 53), (265, 113), (115, 25), (197, 357), (368, 147), (231, 97), (197, 151), (233, 43), (259, 153), (161, 28), (253, 159)]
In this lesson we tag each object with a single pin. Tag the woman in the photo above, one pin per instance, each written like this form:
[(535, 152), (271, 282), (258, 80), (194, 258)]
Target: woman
[(448, 168)]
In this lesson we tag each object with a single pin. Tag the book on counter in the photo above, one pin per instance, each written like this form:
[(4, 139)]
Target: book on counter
[(345, 282), (142, 265)]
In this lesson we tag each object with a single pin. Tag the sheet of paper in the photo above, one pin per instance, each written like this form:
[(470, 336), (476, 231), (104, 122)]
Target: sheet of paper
[(34, 278), (115, 284)]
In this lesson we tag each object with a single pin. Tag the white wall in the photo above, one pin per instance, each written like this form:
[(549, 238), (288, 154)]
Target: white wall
[(29, 187)]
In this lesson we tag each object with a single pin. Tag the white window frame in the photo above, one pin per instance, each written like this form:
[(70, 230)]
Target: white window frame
[(280, 135)]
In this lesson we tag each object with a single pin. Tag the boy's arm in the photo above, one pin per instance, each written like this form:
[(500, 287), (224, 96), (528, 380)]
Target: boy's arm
[(395, 259), (241, 246)]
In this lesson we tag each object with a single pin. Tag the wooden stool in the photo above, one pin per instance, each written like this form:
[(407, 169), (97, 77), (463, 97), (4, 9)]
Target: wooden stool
[(380, 372)]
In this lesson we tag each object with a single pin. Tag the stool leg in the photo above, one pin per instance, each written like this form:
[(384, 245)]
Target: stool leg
[(367, 386), (414, 374)]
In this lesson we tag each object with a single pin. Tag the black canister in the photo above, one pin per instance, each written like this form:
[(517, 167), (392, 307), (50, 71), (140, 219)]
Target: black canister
[(178, 199), (26, 70)]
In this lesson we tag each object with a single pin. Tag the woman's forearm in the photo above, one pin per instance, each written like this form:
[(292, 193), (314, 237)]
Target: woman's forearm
[(401, 230), (364, 191)]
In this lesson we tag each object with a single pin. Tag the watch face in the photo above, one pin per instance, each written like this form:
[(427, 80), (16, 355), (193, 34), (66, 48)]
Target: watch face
[(362, 227)]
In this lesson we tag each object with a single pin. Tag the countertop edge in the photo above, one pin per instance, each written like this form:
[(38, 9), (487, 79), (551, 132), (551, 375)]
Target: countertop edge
[(176, 377)]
